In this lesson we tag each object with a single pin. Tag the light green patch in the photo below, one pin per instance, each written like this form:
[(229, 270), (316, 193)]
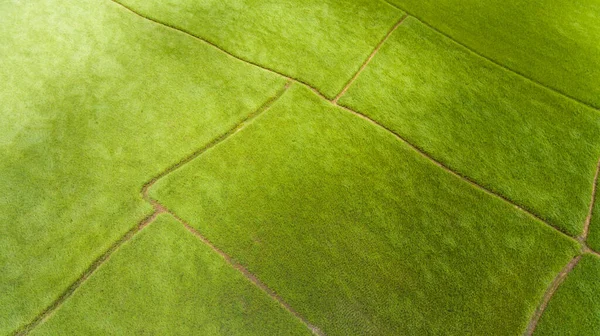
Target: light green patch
[(320, 42), (522, 141), (575, 307), (361, 235), (94, 102), (167, 282), (552, 41)]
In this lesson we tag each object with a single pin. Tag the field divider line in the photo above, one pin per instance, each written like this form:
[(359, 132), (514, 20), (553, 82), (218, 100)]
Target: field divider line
[(251, 277), (212, 44), (239, 126), (455, 173), (46, 313), (588, 219), (368, 60), (558, 280), (587, 250), (247, 274), (505, 67), (563, 274)]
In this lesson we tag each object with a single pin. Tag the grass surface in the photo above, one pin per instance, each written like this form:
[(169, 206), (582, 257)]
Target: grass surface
[(359, 233), (525, 142), (356, 231), (95, 102), (167, 282), (553, 42), (319, 42), (575, 308), (594, 229)]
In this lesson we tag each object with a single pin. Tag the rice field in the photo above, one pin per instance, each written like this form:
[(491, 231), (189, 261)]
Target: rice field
[(324, 167)]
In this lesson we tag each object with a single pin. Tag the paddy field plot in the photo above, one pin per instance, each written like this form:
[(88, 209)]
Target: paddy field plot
[(246, 167)]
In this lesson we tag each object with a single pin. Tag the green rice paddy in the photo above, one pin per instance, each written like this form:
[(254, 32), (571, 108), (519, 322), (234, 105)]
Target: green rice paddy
[(336, 167)]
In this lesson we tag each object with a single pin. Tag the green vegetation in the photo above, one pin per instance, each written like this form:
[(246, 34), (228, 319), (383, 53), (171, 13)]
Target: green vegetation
[(524, 142), (593, 238), (553, 42), (91, 111), (320, 42), (182, 287), (575, 308), (313, 213), (359, 233)]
